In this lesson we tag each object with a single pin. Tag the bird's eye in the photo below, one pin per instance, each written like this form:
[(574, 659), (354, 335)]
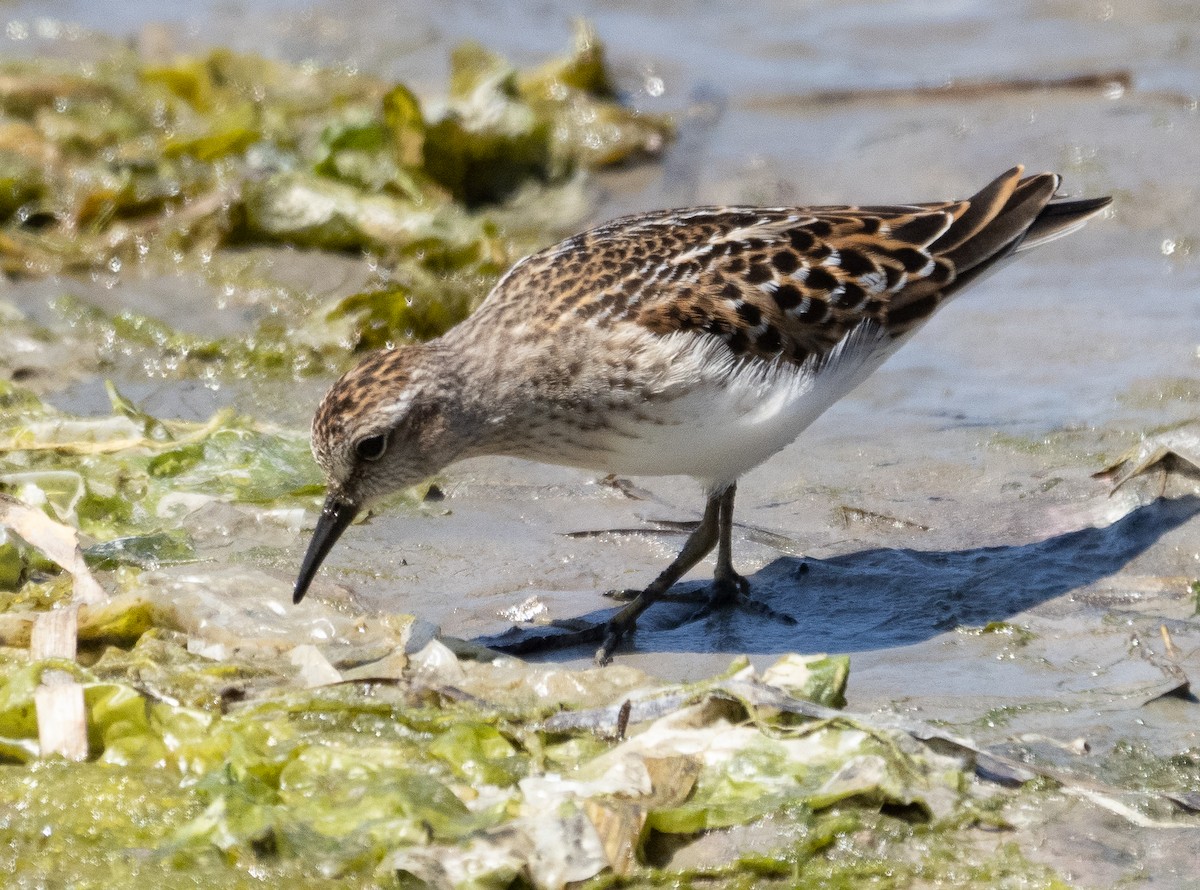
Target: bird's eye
[(371, 448)]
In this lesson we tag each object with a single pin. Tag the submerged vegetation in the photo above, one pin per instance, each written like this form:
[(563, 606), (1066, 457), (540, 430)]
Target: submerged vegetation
[(128, 481), (461, 779), (104, 167), (127, 164)]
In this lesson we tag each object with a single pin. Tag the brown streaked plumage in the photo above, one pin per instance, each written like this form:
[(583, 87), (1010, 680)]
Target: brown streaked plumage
[(695, 342)]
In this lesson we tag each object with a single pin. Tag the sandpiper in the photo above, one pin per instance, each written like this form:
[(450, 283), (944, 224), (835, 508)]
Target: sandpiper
[(691, 342)]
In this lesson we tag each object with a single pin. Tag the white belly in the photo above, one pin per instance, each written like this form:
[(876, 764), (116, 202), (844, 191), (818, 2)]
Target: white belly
[(714, 423)]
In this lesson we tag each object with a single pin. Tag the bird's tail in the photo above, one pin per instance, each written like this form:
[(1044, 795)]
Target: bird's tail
[(1059, 218), (1007, 215)]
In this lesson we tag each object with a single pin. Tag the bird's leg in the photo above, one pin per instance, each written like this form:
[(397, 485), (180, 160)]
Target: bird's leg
[(728, 586), (698, 545)]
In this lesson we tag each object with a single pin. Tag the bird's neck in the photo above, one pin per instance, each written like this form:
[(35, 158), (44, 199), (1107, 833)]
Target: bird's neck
[(466, 399), (486, 406)]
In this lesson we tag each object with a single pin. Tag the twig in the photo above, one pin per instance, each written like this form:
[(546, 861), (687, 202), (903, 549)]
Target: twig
[(1112, 83)]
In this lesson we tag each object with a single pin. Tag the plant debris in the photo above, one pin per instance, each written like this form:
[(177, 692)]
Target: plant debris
[(130, 165), (1174, 452)]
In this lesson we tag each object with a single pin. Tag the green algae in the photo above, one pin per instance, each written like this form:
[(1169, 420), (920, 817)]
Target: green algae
[(13, 566), (1154, 393), (271, 348), (1134, 766), (436, 770), (134, 166), (345, 781), (354, 783), (1020, 636), (845, 850), (115, 477), (504, 128)]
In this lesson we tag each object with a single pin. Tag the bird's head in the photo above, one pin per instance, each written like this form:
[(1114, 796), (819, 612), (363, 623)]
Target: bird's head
[(382, 427)]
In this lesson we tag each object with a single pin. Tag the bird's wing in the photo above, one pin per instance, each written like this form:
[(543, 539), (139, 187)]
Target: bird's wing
[(787, 283)]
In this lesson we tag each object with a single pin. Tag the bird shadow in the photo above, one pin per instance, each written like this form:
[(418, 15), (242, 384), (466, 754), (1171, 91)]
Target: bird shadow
[(879, 598)]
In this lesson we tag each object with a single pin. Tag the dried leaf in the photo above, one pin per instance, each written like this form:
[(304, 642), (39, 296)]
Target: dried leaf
[(1174, 451), (57, 541)]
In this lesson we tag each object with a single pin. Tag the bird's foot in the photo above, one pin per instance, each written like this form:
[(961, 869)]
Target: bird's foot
[(619, 625), (729, 590), (629, 594), (638, 600), (549, 638)]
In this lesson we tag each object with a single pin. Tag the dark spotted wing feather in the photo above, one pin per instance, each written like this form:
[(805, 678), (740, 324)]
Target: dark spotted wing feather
[(787, 283)]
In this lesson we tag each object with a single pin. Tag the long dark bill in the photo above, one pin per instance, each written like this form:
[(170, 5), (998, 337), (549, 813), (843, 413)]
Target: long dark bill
[(335, 517)]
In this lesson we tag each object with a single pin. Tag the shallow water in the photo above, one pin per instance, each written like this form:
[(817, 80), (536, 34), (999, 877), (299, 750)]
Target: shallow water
[(965, 462)]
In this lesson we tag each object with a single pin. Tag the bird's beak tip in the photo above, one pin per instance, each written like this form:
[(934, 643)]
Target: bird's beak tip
[(336, 516)]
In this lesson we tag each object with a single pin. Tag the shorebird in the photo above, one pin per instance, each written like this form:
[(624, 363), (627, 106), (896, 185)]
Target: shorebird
[(692, 342)]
